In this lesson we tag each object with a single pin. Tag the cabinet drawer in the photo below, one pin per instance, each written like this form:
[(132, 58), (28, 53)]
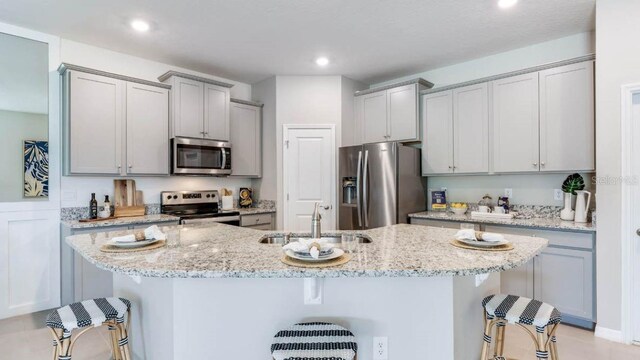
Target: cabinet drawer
[(261, 227), (556, 238), (436, 223), (251, 220)]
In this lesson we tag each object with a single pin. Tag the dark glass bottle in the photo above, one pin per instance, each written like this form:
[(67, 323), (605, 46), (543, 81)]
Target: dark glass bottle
[(93, 207)]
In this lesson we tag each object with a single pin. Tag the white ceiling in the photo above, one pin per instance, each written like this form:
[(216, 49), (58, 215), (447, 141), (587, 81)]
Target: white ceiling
[(24, 71), (249, 40)]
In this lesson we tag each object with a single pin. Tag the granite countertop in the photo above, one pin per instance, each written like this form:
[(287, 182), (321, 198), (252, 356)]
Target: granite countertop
[(131, 220), (223, 251), (255, 211), (543, 223)]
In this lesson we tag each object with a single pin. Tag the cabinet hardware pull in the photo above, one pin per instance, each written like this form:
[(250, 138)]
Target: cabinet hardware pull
[(541, 163), (535, 164)]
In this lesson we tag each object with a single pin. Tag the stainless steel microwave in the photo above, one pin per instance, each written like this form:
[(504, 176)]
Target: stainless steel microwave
[(200, 157)]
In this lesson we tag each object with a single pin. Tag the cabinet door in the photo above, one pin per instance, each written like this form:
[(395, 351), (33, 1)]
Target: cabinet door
[(216, 112), (471, 129), (188, 108), (359, 120), (402, 119), (515, 124), (147, 129), (374, 117), (518, 281), (567, 139), (96, 113), (245, 124), (437, 133), (564, 278)]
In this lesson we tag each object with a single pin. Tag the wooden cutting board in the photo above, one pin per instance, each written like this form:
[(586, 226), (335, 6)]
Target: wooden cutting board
[(124, 192)]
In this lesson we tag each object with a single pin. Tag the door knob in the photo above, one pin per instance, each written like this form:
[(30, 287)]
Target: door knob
[(327, 207), (638, 232)]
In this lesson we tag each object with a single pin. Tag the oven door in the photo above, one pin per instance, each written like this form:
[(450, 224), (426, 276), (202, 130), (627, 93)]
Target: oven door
[(200, 157), (229, 220)]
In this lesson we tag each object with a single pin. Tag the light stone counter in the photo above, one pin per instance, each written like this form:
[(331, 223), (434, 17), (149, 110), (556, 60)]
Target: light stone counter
[(542, 223), (255, 211), (222, 251)]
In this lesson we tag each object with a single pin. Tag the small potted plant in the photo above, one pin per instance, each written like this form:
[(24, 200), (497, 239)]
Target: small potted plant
[(570, 185)]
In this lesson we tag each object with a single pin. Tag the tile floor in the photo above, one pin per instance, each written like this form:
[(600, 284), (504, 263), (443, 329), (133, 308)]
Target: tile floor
[(24, 337)]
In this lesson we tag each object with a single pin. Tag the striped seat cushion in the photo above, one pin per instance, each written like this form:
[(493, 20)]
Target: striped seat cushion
[(517, 309), (88, 313), (314, 341)]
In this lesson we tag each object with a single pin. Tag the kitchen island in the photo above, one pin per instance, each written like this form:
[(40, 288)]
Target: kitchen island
[(216, 292)]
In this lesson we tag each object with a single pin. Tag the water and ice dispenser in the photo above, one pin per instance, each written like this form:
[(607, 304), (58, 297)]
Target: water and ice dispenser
[(349, 190)]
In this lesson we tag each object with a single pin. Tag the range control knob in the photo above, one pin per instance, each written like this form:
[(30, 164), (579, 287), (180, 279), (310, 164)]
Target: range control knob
[(208, 196), (175, 197), (169, 197)]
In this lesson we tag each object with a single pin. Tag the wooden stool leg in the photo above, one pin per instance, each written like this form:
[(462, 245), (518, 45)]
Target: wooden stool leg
[(57, 334), (499, 349), (542, 352), (115, 348), (553, 349), (123, 341), (488, 325)]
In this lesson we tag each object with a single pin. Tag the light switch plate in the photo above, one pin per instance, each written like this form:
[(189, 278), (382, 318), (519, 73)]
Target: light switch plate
[(508, 192)]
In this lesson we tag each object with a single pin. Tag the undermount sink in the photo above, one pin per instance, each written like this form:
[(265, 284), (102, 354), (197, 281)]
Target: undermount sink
[(336, 239)]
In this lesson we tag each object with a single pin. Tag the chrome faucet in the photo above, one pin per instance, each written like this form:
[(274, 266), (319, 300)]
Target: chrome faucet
[(315, 222)]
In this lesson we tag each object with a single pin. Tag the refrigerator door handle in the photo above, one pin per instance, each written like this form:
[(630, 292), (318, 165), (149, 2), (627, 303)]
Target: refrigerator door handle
[(365, 189), (358, 194)]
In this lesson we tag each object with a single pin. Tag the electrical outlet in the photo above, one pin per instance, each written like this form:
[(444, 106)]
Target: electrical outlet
[(557, 194), (443, 189), (380, 350), (508, 193)]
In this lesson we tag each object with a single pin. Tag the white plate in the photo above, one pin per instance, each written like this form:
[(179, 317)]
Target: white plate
[(131, 245), (484, 244), (336, 254)]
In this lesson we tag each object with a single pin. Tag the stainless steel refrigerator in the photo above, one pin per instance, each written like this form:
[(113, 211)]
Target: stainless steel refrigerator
[(381, 184)]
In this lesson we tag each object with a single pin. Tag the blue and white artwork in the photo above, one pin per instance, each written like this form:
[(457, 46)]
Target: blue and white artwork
[(36, 168)]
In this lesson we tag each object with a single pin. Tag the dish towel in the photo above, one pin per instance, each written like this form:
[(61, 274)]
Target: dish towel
[(309, 246), (470, 234), (154, 233)]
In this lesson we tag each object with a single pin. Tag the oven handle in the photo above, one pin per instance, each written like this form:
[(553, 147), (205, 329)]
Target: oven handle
[(210, 219)]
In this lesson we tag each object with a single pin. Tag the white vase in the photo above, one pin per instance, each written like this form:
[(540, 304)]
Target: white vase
[(567, 212)]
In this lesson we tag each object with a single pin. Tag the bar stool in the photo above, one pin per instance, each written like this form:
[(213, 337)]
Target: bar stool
[(89, 314), (314, 340), (500, 310)]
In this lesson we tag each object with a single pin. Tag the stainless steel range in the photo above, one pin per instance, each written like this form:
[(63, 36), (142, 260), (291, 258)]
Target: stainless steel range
[(197, 207)]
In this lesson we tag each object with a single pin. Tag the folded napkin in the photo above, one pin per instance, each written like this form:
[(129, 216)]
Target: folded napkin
[(309, 246), (470, 234), (154, 233), (125, 239)]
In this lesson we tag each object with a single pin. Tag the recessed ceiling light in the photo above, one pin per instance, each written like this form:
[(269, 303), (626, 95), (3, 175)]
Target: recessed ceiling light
[(322, 61), (140, 25), (506, 3)]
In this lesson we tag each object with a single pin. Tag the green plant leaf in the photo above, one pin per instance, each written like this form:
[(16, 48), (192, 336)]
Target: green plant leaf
[(572, 183)]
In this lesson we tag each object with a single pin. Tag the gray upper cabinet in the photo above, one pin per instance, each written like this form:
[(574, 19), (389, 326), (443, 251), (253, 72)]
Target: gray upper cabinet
[(471, 129), (455, 126), (246, 139), (567, 137), (390, 113), (95, 123), (515, 124), (187, 99), (113, 124), (200, 106), (216, 112), (147, 130), (402, 104), (374, 117), (437, 128)]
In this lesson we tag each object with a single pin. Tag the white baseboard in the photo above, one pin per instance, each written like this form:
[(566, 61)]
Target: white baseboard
[(609, 334)]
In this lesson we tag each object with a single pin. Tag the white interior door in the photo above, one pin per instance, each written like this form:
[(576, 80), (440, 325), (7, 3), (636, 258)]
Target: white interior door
[(635, 219), (309, 175)]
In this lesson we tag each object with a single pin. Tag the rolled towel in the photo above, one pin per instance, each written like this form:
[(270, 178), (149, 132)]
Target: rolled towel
[(125, 239), (309, 246)]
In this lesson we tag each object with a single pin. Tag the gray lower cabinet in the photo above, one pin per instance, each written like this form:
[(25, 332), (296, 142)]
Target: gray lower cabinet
[(258, 221), (563, 275), (81, 280)]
